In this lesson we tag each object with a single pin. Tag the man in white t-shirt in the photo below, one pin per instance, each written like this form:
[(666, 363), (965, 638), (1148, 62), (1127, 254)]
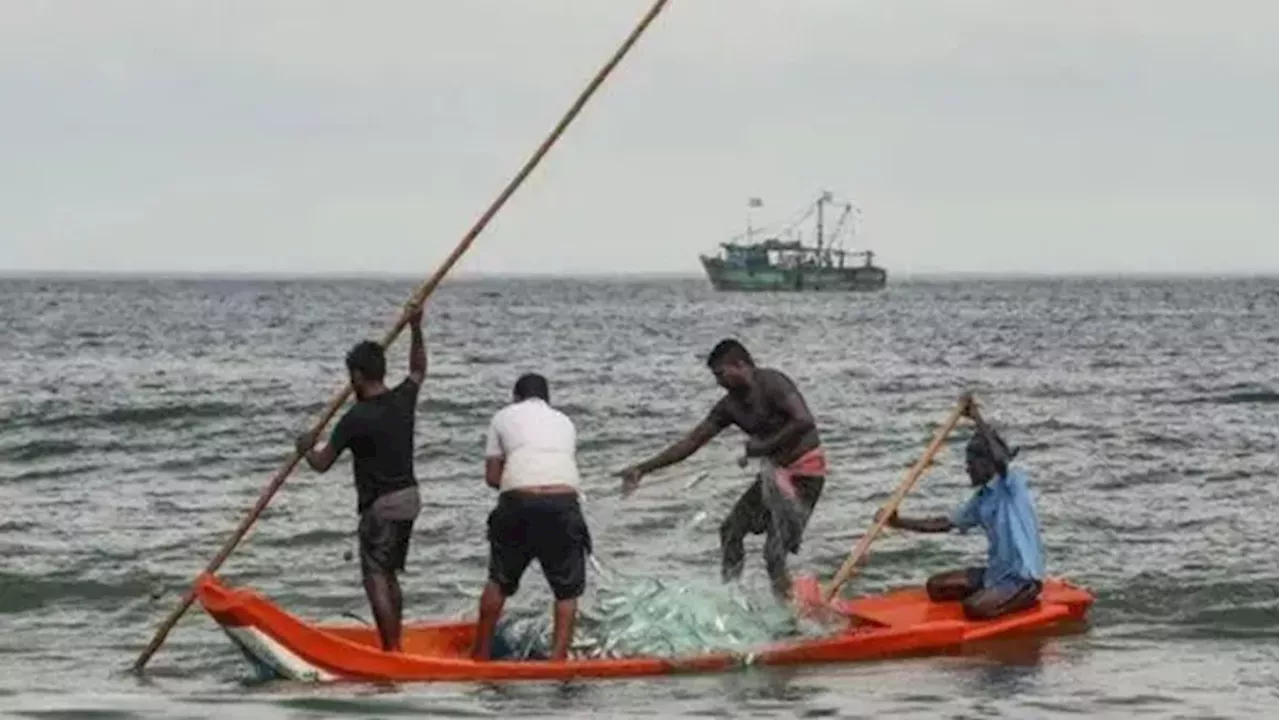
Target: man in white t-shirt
[(530, 458)]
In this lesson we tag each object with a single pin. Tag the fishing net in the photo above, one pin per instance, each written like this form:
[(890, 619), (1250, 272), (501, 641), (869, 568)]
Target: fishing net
[(629, 617)]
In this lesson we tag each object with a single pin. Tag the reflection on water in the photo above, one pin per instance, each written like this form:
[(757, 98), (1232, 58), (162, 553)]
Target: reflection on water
[(1007, 667)]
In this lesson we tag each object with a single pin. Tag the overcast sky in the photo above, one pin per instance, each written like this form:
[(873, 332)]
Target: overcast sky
[(984, 135)]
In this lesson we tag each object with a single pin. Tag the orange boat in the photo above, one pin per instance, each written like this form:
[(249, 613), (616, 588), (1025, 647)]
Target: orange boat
[(903, 622)]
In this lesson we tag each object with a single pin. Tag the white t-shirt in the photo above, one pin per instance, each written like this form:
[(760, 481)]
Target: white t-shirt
[(538, 444)]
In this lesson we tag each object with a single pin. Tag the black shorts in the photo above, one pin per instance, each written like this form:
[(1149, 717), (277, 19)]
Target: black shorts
[(550, 528)]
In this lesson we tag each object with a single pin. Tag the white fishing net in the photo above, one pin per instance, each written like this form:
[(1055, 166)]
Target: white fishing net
[(630, 616)]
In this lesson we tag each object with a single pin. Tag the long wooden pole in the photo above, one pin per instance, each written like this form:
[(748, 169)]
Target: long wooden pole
[(416, 301), (864, 543)]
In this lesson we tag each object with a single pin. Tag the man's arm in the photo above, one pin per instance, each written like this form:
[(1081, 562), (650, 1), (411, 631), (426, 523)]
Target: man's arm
[(322, 459), (800, 421), (939, 524), (702, 434), (495, 458), (493, 471), (319, 460), (686, 446), (964, 517), (999, 451), (417, 349)]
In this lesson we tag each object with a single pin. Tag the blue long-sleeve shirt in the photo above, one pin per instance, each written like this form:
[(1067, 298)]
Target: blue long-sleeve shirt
[(1005, 510)]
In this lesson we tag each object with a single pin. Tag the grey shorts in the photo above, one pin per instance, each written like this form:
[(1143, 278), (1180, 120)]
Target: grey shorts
[(982, 601), (385, 529)]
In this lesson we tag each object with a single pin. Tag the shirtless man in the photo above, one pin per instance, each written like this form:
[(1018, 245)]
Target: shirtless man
[(765, 404)]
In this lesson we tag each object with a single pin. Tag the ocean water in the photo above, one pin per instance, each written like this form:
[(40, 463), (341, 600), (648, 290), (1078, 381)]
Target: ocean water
[(139, 420)]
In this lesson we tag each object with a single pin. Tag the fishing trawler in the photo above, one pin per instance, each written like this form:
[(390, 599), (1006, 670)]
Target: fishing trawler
[(780, 261)]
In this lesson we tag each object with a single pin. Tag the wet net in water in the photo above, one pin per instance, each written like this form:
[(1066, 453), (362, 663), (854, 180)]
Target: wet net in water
[(676, 617), (629, 617)]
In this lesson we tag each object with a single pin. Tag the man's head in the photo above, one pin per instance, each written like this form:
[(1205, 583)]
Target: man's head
[(366, 366), (731, 364), (531, 385), (980, 461)]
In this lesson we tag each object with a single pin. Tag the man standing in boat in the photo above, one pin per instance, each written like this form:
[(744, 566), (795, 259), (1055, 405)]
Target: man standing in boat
[(378, 429), (1003, 507), (531, 460), (765, 404)]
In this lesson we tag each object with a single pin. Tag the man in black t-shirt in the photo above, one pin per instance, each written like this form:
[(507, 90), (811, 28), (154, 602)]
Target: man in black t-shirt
[(378, 429), (766, 405)]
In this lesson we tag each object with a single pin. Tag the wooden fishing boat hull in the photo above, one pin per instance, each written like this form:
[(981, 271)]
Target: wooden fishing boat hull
[(900, 623), (907, 622)]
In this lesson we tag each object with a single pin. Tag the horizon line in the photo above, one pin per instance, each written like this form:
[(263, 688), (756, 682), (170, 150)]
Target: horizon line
[(22, 274)]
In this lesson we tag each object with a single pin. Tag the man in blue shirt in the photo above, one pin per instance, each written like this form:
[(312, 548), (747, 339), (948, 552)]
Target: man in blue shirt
[(1002, 506)]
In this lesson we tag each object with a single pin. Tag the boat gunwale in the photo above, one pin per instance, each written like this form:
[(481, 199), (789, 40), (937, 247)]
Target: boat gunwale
[(872, 639)]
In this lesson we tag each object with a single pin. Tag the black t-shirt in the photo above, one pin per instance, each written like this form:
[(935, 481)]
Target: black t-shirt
[(379, 433), (762, 412)]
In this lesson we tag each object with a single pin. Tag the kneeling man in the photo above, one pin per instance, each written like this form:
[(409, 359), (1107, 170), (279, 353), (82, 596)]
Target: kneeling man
[(1002, 506)]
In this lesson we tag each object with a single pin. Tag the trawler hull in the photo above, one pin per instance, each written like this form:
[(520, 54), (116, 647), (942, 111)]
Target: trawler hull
[(727, 278)]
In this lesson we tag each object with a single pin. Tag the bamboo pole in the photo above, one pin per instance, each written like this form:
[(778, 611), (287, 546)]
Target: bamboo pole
[(891, 506), (416, 301)]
